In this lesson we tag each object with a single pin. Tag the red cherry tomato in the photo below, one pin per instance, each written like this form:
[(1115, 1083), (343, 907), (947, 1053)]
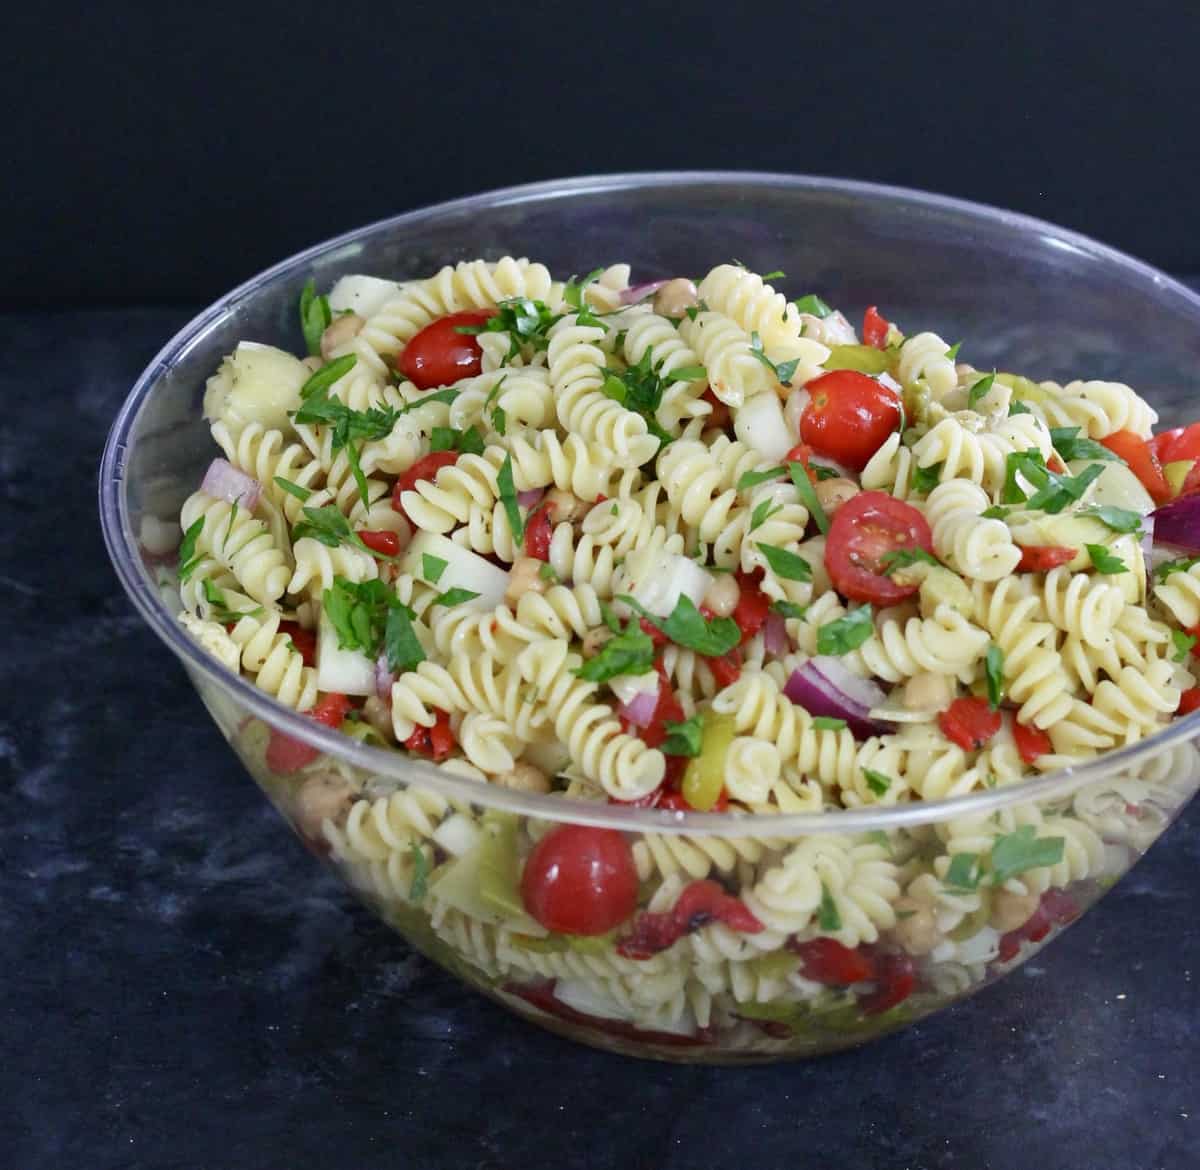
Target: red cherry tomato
[(970, 723), (848, 417), (895, 979), (385, 543), (1189, 701), (580, 880), (426, 467), (304, 640), (801, 453), (538, 530), (439, 354), (863, 531), (875, 329), (1181, 443), (436, 742), (727, 668), (1031, 742), (1142, 461), (667, 710), (1041, 558), (825, 960), (285, 754), (753, 605)]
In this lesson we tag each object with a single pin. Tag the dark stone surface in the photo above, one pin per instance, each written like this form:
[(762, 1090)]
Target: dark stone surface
[(184, 987)]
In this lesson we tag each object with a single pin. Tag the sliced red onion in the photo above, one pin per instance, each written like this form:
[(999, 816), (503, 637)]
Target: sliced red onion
[(823, 686), (225, 482), (636, 293), (1178, 523), (531, 497), (640, 709), (775, 639), (383, 679)]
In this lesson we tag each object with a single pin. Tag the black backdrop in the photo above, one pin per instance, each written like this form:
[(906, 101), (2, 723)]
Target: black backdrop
[(165, 152)]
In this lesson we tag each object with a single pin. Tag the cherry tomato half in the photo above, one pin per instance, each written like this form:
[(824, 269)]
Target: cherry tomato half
[(875, 328), (1179, 444), (1142, 461), (969, 722), (848, 417), (1031, 742), (580, 880), (439, 354), (1041, 558), (1189, 701), (863, 531)]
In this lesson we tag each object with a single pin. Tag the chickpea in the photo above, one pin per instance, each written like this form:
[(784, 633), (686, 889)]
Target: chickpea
[(833, 493), (379, 715), (524, 778), (565, 505), (916, 931), (339, 331), (723, 595), (1010, 911), (676, 297), (927, 691), (524, 577), (324, 796), (593, 640)]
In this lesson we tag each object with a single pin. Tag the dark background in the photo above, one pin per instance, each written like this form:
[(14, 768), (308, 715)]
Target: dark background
[(163, 153)]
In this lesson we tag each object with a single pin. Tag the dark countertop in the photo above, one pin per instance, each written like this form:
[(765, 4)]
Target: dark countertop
[(185, 987)]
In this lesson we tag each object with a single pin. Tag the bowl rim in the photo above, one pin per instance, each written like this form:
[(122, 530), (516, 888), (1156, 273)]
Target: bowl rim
[(400, 770)]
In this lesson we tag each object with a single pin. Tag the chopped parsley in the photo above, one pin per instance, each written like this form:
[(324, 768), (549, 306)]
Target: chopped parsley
[(526, 321), (763, 511), (420, 867), (640, 389), (508, 498), (687, 627), (220, 607), (573, 292), (963, 875), (188, 557), (1016, 406), (314, 316), (369, 617), (1118, 519), (828, 723), (814, 305), (783, 371), (993, 665), (925, 479), (1183, 644), (547, 572), (328, 526), (469, 442), (808, 495), (789, 609), (1053, 492), (1070, 446), (828, 918), (1103, 561), (455, 596), (432, 567), (846, 633), (1014, 853), (754, 478), (778, 274), (630, 651), (877, 782), (1163, 571), (684, 738), (903, 558), (980, 389), (788, 565), (952, 353), (292, 489)]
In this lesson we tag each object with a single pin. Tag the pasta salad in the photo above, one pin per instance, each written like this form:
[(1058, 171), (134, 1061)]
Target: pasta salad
[(693, 545)]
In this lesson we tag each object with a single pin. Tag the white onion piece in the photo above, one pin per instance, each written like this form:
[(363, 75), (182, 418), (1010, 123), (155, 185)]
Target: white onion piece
[(636, 293), (344, 672), (886, 379), (658, 582), (458, 835), (225, 482), (760, 424), (775, 639), (464, 569), (364, 295)]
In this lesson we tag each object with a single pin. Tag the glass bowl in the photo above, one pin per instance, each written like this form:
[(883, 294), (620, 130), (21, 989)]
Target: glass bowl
[(1024, 295)]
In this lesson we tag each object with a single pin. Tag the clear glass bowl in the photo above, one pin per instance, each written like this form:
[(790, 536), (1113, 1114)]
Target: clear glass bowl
[(1023, 295)]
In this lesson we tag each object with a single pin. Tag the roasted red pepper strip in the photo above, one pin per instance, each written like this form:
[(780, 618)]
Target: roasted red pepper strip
[(1041, 558), (753, 605), (698, 904), (825, 960), (874, 329), (969, 722), (1031, 742)]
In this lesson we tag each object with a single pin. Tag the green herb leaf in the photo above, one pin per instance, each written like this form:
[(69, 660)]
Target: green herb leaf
[(952, 352), (546, 572), (499, 423), (573, 292), (455, 596), (326, 376), (1053, 492), (469, 442), (828, 918), (368, 617), (1016, 406), (902, 558), (925, 479), (314, 317), (1183, 644), (789, 609), (525, 321), (877, 782), (188, 560), (993, 665), (630, 651), (420, 878), (1179, 565), (221, 611), (995, 512), (763, 511), (1014, 853), (814, 305), (879, 837), (685, 374), (687, 627), (788, 565), (1070, 446), (292, 489), (1103, 561), (963, 874), (1118, 519), (980, 389), (808, 495), (846, 633), (783, 371), (432, 567), (828, 723), (776, 275), (331, 528), (400, 641), (754, 478), (508, 497), (448, 394), (685, 738)]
